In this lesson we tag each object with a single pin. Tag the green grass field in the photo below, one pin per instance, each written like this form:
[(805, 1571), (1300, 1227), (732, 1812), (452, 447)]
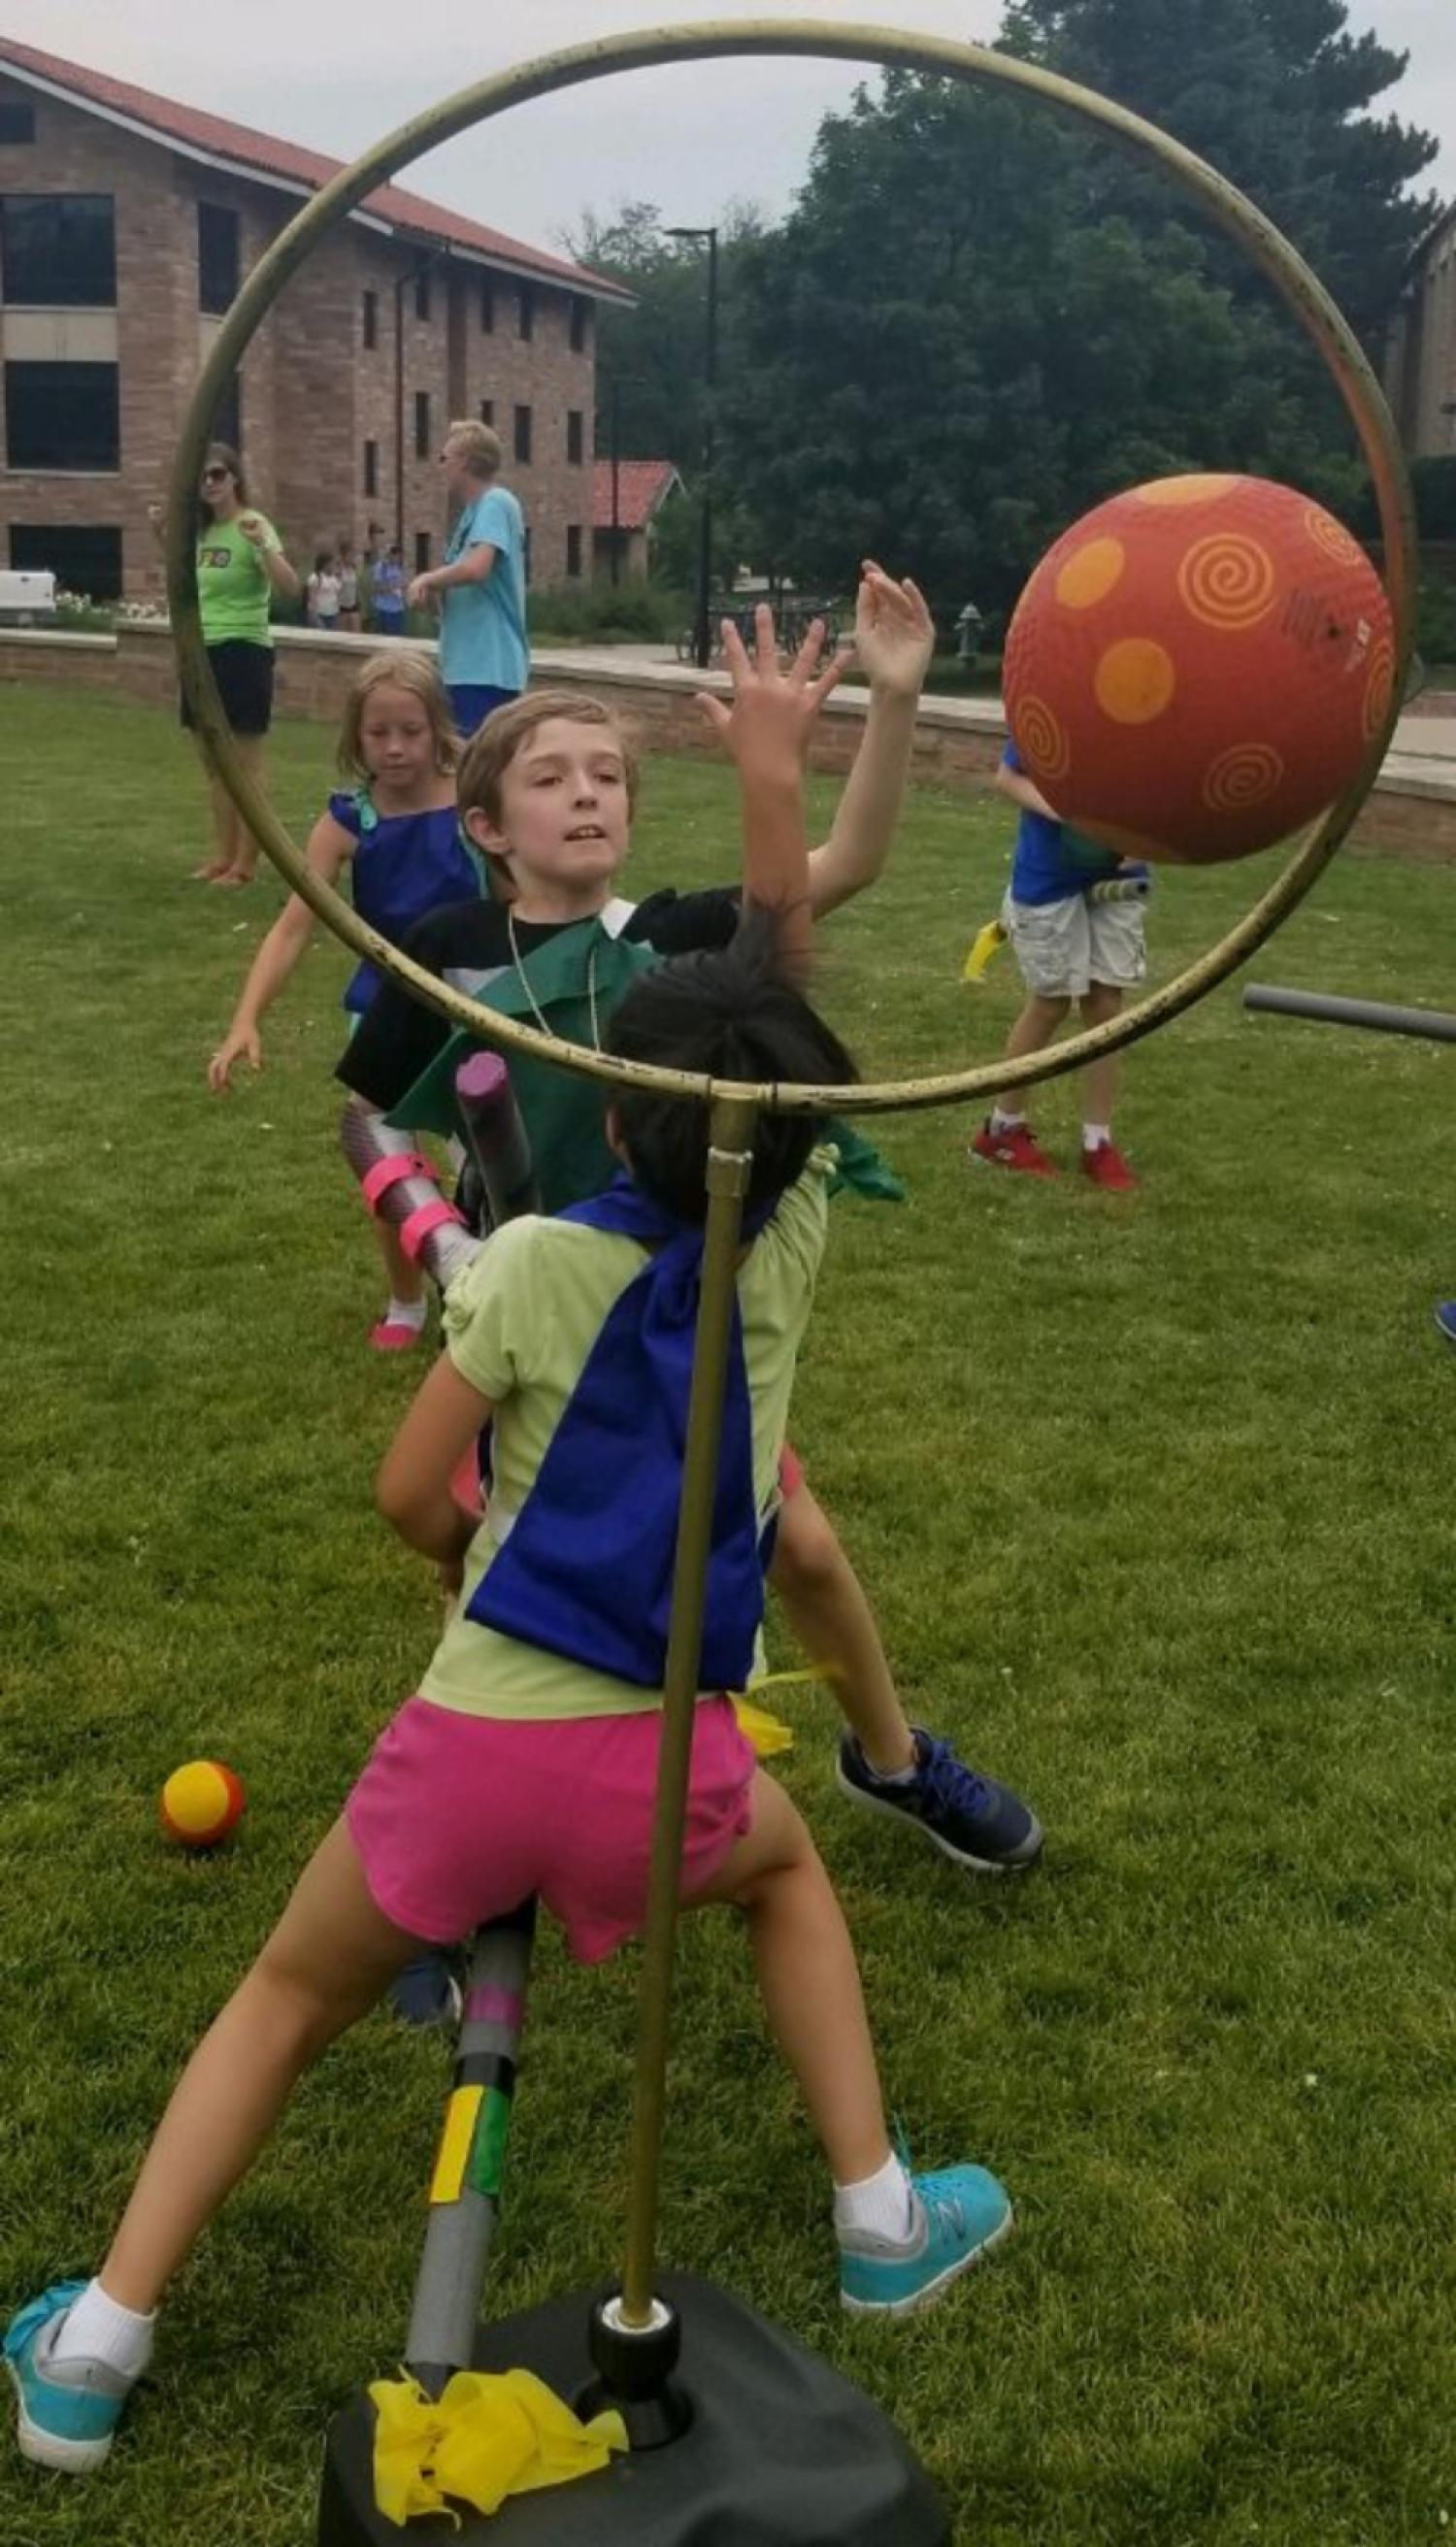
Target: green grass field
[(1155, 1499)]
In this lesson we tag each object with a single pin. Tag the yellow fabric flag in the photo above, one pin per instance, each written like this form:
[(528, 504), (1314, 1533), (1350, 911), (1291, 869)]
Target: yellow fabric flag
[(767, 1733), (491, 2433), (985, 944)]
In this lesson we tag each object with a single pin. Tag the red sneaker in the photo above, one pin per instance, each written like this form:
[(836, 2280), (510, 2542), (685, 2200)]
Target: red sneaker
[(1016, 1147), (1106, 1166)]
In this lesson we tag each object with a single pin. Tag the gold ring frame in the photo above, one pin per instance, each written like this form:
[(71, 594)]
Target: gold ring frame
[(970, 64)]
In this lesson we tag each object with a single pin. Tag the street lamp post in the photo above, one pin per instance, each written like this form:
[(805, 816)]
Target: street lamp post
[(701, 628)]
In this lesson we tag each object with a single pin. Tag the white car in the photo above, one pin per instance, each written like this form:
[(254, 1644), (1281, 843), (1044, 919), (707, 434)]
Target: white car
[(27, 597)]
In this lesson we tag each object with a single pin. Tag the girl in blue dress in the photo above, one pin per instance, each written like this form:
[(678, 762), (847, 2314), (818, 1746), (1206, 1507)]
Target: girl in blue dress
[(397, 830)]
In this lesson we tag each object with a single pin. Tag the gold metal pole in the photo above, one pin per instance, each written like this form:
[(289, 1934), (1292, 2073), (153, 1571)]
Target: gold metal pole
[(730, 1159)]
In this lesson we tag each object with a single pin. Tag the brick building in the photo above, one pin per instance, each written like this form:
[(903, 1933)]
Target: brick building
[(1420, 349), (126, 222)]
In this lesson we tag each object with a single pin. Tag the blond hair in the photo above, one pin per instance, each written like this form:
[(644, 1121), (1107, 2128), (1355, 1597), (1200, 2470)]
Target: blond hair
[(494, 744), (478, 446), (406, 668)]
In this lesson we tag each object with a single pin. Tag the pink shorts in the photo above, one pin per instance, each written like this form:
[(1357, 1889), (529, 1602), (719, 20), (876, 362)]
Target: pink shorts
[(459, 1818)]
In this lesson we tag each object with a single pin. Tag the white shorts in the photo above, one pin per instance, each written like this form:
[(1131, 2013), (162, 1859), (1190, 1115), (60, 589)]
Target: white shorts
[(1064, 947)]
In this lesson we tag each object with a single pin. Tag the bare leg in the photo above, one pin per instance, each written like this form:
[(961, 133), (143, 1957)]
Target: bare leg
[(252, 751), (405, 1281), (833, 1623), (219, 808), (331, 1956), (1100, 1078), (1036, 1026), (808, 1978)]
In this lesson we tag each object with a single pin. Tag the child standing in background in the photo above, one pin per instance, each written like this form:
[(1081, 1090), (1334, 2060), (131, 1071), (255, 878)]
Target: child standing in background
[(1070, 946), (397, 830)]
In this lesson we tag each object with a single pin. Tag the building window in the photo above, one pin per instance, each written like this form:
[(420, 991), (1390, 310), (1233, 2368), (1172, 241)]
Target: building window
[(16, 122), (527, 312), (522, 433), (422, 552), (576, 435), (371, 468), (62, 415), (227, 415), (60, 251), (370, 313), (84, 560), (487, 307), (422, 424), (218, 258), (422, 295), (488, 412), (573, 548), (580, 313)]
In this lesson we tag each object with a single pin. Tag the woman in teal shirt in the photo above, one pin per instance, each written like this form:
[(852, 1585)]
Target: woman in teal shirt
[(240, 566)]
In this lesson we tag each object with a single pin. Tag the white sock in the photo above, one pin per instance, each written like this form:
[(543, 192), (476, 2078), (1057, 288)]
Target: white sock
[(880, 2207), (98, 2328), (892, 1776), (1094, 1134), (405, 1313), (1001, 1121)]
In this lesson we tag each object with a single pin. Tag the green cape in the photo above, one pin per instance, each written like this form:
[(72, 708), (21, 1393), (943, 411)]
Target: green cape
[(565, 1113)]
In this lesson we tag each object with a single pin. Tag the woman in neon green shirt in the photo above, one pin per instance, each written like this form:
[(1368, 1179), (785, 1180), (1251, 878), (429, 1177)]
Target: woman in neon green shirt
[(240, 566)]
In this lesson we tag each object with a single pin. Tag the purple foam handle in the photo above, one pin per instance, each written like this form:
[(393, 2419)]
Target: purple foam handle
[(496, 1136)]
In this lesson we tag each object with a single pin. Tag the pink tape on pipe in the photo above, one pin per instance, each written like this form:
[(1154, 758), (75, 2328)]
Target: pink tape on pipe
[(430, 1216), (391, 1172), (493, 2003)]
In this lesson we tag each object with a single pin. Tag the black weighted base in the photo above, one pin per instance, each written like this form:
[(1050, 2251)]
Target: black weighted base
[(780, 2452)]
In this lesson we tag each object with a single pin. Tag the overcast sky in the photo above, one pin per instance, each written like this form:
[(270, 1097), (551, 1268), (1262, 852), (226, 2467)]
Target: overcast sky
[(340, 74)]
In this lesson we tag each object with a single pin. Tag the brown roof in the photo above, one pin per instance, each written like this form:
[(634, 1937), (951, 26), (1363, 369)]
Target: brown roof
[(261, 154), (641, 488)]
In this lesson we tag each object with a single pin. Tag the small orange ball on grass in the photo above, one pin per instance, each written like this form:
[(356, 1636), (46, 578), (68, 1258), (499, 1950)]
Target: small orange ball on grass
[(202, 1801)]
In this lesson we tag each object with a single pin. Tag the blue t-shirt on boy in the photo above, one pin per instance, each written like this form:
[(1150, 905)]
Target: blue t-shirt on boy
[(1051, 863)]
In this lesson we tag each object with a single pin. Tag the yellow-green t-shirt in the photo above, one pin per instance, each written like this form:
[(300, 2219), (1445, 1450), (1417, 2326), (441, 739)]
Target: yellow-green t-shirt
[(232, 583), (520, 1324)]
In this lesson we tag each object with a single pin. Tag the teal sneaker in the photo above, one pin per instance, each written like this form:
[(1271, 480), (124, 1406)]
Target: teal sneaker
[(960, 2216), (67, 2411)]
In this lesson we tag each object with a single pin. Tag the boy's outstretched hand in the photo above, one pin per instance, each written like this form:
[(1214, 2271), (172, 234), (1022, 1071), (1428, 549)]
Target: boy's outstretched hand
[(894, 632), (767, 729), (774, 708)]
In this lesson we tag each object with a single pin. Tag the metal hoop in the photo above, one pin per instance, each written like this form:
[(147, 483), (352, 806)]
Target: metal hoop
[(1281, 264)]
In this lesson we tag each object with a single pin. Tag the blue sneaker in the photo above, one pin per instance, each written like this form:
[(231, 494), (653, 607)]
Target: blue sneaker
[(1445, 1317), (960, 2214), (67, 2411), (973, 1819)]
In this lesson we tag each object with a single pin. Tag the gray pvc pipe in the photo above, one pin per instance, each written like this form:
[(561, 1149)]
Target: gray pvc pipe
[(1437, 1025)]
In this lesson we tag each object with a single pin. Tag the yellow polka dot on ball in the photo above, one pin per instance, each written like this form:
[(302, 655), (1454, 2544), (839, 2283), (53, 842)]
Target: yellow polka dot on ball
[(200, 1803)]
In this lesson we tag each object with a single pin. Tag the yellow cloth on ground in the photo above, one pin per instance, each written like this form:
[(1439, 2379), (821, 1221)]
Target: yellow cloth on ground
[(489, 2434)]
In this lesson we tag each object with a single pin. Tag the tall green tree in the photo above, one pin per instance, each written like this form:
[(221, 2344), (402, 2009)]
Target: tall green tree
[(979, 317), (650, 358), (1278, 95), (952, 346)]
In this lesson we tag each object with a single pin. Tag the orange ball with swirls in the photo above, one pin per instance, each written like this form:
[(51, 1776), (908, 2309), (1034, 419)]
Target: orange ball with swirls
[(1198, 668)]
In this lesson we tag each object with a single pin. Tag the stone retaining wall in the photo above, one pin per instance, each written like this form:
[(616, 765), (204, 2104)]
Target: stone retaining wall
[(957, 741)]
